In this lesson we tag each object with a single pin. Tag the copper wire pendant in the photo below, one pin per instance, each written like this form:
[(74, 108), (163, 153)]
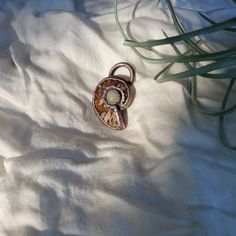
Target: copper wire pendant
[(112, 96)]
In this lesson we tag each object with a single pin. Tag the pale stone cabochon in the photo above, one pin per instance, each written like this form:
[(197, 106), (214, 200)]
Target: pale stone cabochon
[(113, 97)]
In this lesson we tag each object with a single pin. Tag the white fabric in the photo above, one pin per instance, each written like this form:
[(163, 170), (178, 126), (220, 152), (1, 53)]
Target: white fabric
[(62, 172)]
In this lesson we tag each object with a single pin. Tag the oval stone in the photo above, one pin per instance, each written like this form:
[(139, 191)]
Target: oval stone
[(113, 97)]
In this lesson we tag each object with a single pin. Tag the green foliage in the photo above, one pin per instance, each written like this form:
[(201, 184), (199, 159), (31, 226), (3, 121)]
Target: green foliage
[(222, 60)]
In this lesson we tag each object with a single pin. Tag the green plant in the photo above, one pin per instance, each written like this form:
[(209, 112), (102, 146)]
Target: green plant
[(221, 60)]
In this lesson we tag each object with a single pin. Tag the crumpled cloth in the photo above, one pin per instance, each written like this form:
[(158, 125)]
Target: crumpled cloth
[(62, 172)]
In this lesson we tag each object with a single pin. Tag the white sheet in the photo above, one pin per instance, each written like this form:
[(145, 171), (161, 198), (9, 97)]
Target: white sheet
[(62, 172)]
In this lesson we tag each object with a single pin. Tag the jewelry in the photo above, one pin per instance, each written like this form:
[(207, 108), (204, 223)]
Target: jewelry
[(112, 96)]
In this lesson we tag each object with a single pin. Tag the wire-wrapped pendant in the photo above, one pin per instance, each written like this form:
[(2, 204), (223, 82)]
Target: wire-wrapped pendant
[(112, 97)]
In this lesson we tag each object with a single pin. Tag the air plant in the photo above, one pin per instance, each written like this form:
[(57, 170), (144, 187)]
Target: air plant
[(224, 60)]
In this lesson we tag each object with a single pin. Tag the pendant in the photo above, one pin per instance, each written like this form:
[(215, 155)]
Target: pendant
[(112, 96)]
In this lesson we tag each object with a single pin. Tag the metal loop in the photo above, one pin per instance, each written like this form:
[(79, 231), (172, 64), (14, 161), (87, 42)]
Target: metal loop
[(127, 66)]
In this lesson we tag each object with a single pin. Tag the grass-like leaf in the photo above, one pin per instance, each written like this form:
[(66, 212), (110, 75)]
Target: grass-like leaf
[(220, 64), (213, 22), (180, 29), (222, 134), (175, 39)]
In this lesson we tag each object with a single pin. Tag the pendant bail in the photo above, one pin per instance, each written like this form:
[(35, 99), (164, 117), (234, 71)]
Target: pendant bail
[(127, 66)]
